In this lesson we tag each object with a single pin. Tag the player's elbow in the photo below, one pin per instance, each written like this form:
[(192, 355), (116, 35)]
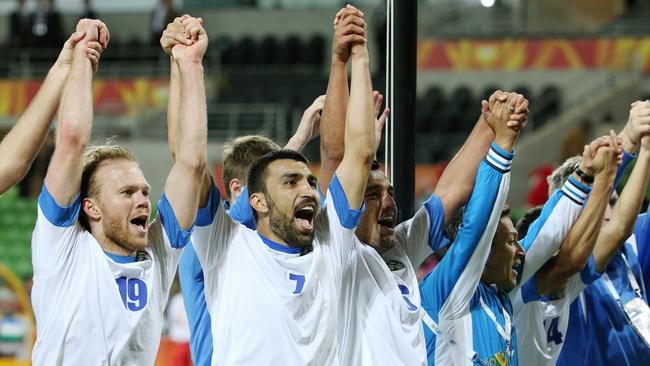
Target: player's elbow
[(332, 152), (71, 138)]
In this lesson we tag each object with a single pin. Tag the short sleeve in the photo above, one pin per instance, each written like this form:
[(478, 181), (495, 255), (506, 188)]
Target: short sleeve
[(56, 234), (176, 236), (341, 221), (241, 210), (424, 232)]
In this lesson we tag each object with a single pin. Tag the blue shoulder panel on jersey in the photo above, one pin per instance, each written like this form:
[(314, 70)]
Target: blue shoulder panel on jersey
[(589, 274), (123, 259), (643, 245), (529, 290), (627, 158), (348, 217), (178, 237), (206, 214), (241, 210), (436, 213), (190, 275), (55, 214)]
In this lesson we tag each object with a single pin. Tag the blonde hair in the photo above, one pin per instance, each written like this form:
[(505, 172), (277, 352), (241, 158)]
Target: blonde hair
[(93, 158), (561, 174), (240, 154)]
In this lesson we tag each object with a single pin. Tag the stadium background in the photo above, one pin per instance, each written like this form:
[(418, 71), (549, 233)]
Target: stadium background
[(580, 63)]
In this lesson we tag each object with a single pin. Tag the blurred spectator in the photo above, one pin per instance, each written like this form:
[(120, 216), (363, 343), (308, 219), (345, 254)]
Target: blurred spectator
[(161, 15), (179, 331), (575, 140), (88, 12), (46, 26), (19, 32), (538, 193)]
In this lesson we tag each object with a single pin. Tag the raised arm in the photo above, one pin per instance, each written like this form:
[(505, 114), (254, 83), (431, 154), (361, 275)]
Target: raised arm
[(309, 126), (621, 225), (63, 177), (183, 186), (359, 129), (579, 243), (446, 292), (349, 28), (25, 139), (457, 181)]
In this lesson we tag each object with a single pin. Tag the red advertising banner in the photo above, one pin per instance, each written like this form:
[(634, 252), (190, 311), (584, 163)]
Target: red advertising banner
[(542, 54), (111, 96)]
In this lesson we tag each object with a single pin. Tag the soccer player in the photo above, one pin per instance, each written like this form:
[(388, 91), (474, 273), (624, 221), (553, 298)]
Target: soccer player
[(25, 139), (239, 155), (102, 271), (380, 301), (604, 320), (541, 321), (272, 293)]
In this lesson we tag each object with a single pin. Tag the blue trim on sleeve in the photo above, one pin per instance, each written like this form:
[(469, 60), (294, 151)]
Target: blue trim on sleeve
[(57, 215), (206, 214), (123, 259), (499, 159), (241, 210), (279, 247), (627, 158), (348, 217), (529, 290), (589, 274), (575, 190), (178, 237), (436, 213)]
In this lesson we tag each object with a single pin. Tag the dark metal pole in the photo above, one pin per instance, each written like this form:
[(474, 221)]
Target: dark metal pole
[(403, 113)]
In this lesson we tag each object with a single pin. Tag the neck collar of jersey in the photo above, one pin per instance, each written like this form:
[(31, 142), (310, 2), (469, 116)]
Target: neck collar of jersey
[(279, 247), (121, 258)]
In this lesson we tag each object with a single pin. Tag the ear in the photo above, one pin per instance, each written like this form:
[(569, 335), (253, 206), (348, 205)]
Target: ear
[(91, 209), (235, 186), (258, 203)]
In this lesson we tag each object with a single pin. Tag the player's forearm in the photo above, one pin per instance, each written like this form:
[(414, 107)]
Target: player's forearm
[(628, 144), (76, 111), (457, 181), (579, 243), (625, 212), (334, 113), (25, 139), (173, 105), (191, 134)]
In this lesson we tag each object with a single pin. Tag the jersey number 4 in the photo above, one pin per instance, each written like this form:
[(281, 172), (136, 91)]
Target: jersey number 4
[(553, 334), (133, 292)]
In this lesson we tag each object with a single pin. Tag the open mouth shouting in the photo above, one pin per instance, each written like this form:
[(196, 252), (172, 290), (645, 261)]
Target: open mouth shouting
[(140, 223), (304, 217), (387, 225)]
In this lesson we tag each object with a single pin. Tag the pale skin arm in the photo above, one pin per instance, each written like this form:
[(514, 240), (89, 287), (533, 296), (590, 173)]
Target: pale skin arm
[(359, 130), (26, 138), (309, 126), (637, 125), (185, 179), (175, 34), (613, 235), (349, 28), (63, 177), (578, 245)]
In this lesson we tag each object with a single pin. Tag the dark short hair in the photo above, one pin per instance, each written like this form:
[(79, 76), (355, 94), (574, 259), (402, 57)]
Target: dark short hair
[(375, 165), (257, 173), (529, 217), (451, 229)]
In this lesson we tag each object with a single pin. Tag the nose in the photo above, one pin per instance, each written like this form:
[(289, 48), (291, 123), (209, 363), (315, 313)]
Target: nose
[(388, 202), (142, 200), (520, 250)]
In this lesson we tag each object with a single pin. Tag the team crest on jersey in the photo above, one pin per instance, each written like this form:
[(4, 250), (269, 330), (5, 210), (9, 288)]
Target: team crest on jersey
[(498, 359), (394, 265)]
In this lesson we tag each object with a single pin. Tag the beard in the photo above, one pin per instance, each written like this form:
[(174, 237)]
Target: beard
[(386, 243), (120, 235), (283, 226)]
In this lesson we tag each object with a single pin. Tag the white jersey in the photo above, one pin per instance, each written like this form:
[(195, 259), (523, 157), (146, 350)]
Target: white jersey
[(89, 308), (542, 323), (379, 308), (270, 304)]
